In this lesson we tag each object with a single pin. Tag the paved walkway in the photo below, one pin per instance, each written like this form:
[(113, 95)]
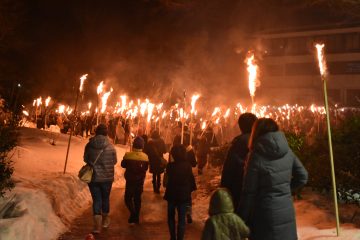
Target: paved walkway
[(153, 220)]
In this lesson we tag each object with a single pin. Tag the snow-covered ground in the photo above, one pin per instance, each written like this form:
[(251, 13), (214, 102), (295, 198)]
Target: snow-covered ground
[(45, 200)]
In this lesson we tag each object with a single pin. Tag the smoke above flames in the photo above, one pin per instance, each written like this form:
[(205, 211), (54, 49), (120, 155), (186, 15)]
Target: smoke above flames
[(142, 48)]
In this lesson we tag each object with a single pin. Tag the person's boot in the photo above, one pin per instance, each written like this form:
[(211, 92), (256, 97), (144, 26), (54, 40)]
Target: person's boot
[(131, 219), (97, 223), (189, 218), (105, 220)]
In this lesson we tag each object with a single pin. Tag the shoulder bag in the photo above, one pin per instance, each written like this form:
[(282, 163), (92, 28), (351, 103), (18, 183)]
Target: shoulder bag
[(86, 171)]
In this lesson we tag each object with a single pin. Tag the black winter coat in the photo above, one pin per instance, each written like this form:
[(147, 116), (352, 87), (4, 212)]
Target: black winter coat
[(271, 173), (180, 182), (104, 167), (155, 149), (232, 173)]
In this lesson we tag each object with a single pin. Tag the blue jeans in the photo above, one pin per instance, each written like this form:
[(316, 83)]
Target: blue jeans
[(100, 193), (181, 210)]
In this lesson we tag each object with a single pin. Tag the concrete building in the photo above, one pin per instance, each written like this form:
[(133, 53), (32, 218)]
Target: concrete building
[(289, 67)]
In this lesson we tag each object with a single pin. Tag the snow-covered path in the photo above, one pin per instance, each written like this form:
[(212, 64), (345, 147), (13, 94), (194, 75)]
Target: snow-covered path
[(153, 220), (46, 203)]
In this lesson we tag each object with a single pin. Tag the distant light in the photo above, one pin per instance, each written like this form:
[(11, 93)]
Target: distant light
[(19, 85)]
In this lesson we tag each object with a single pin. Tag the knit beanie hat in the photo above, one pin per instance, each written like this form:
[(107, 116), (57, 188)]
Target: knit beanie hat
[(101, 130), (138, 143)]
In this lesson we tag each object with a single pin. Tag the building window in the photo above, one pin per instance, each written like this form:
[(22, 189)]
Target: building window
[(273, 70), (293, 69), (352, 42), (334, 96), (353, 97)]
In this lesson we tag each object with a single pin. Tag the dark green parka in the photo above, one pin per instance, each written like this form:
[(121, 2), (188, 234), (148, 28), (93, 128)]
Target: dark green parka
[(223, 223)]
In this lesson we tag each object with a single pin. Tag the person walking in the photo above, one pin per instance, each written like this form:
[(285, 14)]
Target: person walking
[(178, 190), (136, 164), (101, 155), (223, 222), (232, 173), (191, 158), (155, 150), (272, 172)]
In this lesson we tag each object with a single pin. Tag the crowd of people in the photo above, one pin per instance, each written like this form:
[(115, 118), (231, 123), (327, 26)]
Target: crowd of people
[(255, 197)]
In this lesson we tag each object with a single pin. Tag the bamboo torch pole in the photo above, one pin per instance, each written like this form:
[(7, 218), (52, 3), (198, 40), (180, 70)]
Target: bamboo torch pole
[(82, 79), (183, 120), (323, 72)]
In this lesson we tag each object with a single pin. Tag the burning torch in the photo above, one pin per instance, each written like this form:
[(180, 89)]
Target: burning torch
[(99, 90), (82, 79), (183, 120), (324, 73), (194, 98), (47, 101), (252, 69)]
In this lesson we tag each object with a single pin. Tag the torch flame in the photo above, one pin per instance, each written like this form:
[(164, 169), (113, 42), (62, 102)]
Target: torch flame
[(104, 99), (150, 108), (227, 113), (82, 80), (89, 105), (38, 101), (203, 125), (252, 70), (159, 106), (26, 113), (123, 102), (194, 98), (100, 88), (61, 108), (216, 111), (321, 59), (47, 101)]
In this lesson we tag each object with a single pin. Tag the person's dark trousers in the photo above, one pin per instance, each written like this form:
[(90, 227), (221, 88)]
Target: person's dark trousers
[(126, 138), (181, 211), (133, 192), (189, 212), (202, 160), (156, 182), (88, 131), (100, 193)]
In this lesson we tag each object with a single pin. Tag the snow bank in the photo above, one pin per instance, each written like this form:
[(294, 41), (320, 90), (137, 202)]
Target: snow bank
[(45, 200)]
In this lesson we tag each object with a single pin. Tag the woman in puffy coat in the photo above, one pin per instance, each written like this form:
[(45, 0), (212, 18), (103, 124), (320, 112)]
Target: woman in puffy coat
[(100, 147), (272, 172), (223, 223)]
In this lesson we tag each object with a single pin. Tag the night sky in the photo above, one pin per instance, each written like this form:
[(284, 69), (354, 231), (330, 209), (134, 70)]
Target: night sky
[(143, 48)]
